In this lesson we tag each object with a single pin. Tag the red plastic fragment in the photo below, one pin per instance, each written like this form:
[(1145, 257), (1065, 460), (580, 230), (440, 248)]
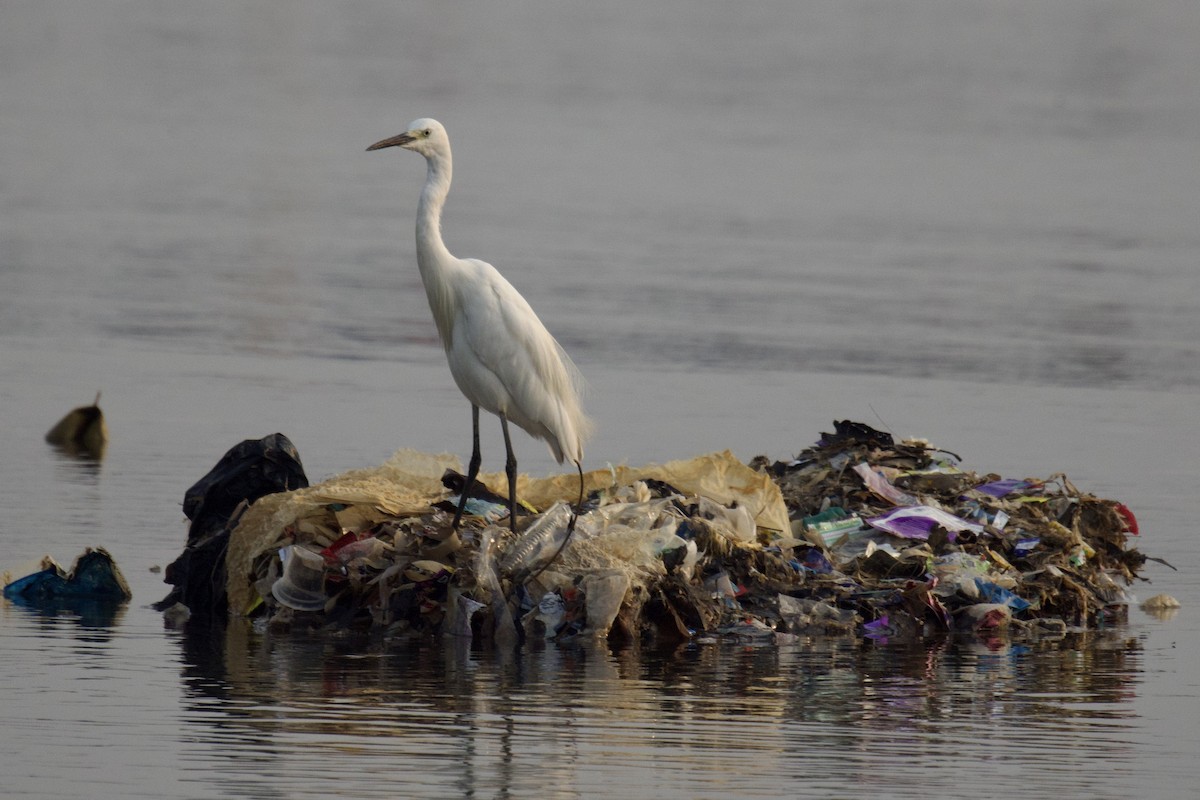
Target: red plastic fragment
[(1130, 520)]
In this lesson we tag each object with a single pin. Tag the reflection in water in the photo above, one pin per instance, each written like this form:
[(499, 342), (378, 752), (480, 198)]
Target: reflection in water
[(76, 469), (446, 716), (93, 614), (78, 477), (97, 617)]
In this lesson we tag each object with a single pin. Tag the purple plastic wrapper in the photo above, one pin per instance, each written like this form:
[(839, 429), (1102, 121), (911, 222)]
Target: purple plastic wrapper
[(1003, 487), (916, 522)]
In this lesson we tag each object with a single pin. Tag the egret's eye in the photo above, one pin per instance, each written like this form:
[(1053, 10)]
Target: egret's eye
[(427, 132)]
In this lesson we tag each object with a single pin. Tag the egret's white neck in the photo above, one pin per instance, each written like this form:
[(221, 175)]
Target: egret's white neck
[(433, 259), (430, 248)]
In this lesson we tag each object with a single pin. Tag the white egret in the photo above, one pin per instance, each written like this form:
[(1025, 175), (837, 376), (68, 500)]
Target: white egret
[(501, 355)]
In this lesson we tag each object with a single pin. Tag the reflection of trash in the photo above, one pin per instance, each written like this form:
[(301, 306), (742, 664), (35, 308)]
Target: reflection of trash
[(82, 432), (247, 472), (176, 616), (859, 534), (93, 576)]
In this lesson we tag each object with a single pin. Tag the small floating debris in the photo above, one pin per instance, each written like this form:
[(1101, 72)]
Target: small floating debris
[(82, 433), (1161, 602), (93, 576), (1162, 606)]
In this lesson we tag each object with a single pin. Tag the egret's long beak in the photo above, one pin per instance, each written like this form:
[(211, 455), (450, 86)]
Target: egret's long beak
[(395, 141)]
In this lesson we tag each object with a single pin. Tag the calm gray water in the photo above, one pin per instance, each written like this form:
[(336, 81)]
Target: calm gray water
[(974, 222)]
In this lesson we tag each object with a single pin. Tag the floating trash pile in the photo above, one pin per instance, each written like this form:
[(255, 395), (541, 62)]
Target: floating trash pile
[(375, 548), (857, 535), (911, 542)]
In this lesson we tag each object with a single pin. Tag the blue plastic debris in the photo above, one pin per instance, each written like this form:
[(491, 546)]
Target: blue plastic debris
[(93, 585), (1024, 547), (815, 561), (991, 593), (93, 576)]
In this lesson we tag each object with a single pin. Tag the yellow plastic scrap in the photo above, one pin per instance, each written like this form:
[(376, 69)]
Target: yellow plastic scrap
[(1059, 531), (999, 560)]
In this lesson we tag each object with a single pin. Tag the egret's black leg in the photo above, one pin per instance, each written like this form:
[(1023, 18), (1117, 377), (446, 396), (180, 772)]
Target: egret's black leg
[(579, 502), (472, 468), (510, 469)]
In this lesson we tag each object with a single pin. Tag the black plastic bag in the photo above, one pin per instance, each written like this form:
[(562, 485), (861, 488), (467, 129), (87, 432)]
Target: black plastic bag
[(250, 470)]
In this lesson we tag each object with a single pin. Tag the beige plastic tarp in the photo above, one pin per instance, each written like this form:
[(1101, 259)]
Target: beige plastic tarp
[(410, 481)]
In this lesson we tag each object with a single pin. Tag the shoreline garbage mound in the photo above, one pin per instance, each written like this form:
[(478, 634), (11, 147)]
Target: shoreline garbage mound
[(859, 534)]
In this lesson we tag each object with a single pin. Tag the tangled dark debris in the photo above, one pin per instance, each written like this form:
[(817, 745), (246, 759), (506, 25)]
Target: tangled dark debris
[(1029, 552), (857, 535)]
